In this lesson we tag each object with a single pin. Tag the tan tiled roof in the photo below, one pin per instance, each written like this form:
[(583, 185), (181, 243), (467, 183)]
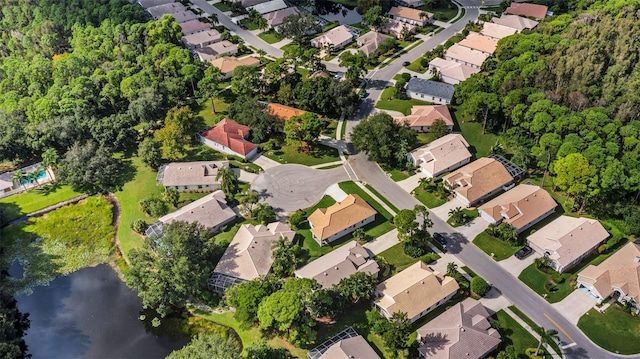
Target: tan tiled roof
[(409, 13), (350, 348), (370, 42), (414, 290), (340, 263), (158, 11), (202, 37), (530, 10), (192, 173), (520, 205), (249, 254), (514, 21), (425, 116), (497, 31), (341, 215), (277, 17), (452, 69), (395, 27), (568, 238), (478, 178), (621, 270), (184, 16), (284, 112), (465, 54), (210, 211), (228, 64), (441, 153), (463, 331), (150, 3), (193, 26), (334, 36), (479, 42)]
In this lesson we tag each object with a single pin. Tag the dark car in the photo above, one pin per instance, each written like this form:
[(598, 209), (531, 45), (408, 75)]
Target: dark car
[(406, 63), (440, 238), (364, 94), (523, 252)]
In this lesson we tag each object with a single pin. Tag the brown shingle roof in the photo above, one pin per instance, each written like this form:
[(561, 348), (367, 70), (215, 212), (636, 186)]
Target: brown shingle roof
[(525, 9), (452, 69), (329, 221), (370, 42), (425, 116), (231, 135), (520, 206), (621, 270), (193, 26), (334, 36), (210, 211), (478, 178)]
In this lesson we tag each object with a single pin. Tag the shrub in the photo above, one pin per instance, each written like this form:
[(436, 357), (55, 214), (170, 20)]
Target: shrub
[(413, 249), (139, 225), (557, 277), (431, 257), (480, 286), (602, 248), (154, 206), (613, 241)]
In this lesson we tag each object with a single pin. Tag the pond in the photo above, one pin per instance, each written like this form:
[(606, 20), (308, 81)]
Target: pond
[(91, 313), (337, 12)]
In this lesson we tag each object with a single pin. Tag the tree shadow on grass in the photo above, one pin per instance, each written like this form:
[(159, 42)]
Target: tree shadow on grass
[(9, 212), (127, 174)]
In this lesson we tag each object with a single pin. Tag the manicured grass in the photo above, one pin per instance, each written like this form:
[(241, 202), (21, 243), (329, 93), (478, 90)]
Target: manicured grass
[(223, 6), (20, 204), (288, 46), (532, 324), (330, 26), (471, 214), (397, 259), (513, 333), (490, 245), (269, 37), (229, 231), (614, 330), (416, 65), (351, 188), (350, 3), (444, 11), (541, 283), (222, 103), (62, 241), (386, 201), (388, 102), (427, 198), (480, 145), (249, 25), (363, 28), (395, 174), (291, 154)]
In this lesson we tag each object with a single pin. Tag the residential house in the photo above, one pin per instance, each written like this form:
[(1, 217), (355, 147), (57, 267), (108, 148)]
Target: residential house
[(216, 50), (410, 3), (228, 64), (249, 3), (568, 240), (534, 11), (497, 31), (276, 18), (194, 26), (340, 263), (269, 6), (336, 38), (284, 112), (184, 16), (347, 344), (465, 56), (342, 218), (451, 72), (618, 276), (201, 39), (522, 207), (514, 21), (211, 211), (370, 42), (249, 255), (430, 91), (478, 180), (416, 290), (441, 155), (228, 136), (190, 176), (410, 16), (6, 182), (479, 42), (422, 117), (157, 11), (151, 3), (462, 331), (398, 28)]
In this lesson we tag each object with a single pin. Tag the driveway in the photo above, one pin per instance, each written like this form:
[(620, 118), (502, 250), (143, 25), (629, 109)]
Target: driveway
[(411, 183), (443, 211), (265, 162), (291, 187), (515, 266), (575, 305)]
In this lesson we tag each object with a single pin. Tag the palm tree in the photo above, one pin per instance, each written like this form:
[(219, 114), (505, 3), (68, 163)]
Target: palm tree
[(19, 177), (214, 18), (546, 336), (50, 160), (261, 54), (262, 23), (360, 235), (457, 215), (33, 176), (228, 181), (452, 269)]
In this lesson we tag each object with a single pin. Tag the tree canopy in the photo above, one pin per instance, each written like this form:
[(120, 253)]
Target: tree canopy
[(384, 140), (207, 346)]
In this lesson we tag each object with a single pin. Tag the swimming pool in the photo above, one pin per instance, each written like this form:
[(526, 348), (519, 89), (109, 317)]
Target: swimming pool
[(41, 175)]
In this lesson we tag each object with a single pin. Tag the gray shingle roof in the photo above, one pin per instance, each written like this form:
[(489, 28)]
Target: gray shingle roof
[(430, 88)]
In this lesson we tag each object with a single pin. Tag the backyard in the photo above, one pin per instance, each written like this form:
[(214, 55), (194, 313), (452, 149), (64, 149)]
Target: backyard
[(494, 247), (18, 205), (398, 260), (614, 330)]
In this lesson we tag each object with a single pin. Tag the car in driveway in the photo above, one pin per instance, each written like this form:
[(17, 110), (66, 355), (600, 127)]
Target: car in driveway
[(440, 238), (364, 94), (523, 252), (406, 63)]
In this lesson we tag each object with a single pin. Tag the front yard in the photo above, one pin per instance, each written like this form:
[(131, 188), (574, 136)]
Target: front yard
[(513, 333), (398, 260), (428, 198), (442, 11), (292, 154), (613, 330), (270, 37), (542, 284), (494, 247), (389, 102)]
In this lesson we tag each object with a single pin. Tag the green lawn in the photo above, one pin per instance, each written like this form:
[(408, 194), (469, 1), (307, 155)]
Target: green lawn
[(290, 154), (480, 145), (614, 330), (443, 11), (223, 6), (416, 65), (395, 174), (351, 3), (351, 187), (397, 259), (457, 298), (18, 205), (491, 245), (533, 324), (288, 46), (270, 37), (513, 333), (249, 25), (427, 198), (388, 102), (386, 201), (222, 103), (541, 283), (471, 214)]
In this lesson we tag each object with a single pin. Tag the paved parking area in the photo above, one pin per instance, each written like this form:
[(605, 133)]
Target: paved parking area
[(575, 305), (515, 266)]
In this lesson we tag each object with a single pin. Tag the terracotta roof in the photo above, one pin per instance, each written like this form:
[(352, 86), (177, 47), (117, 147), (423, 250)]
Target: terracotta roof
[(621, 270), (497, 31), (249, 254), (395, 27), (277, 17), (284, 112), (525, 9), (441, 153), (478, 178), (426, 115), (228, 64), (463, 331), (452, 69), (409, 13), (334, 36), (465, 54), (231, 135), (479, 42), (568, 238), (210, 211), (350, 348), (191, 173), (520, 205), (514, 21), (341, 215), (414, 290), (370, 42), (340, 263), (193, 26)]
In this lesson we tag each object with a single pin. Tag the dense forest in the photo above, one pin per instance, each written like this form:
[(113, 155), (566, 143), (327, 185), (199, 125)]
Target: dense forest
[(566, 97)]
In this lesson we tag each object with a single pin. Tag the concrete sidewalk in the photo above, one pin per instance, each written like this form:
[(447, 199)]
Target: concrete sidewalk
[(376, 198), (383, 242)]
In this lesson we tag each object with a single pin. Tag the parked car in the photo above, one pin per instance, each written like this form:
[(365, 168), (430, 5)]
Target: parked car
[(364, 94), (440, 238), (523, 252), (406, 63)]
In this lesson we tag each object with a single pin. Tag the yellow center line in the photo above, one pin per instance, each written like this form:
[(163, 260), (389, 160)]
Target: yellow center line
[(559, 327)]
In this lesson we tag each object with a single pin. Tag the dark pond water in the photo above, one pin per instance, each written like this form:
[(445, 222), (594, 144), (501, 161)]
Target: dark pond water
[(91, 313), (337, 12)]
